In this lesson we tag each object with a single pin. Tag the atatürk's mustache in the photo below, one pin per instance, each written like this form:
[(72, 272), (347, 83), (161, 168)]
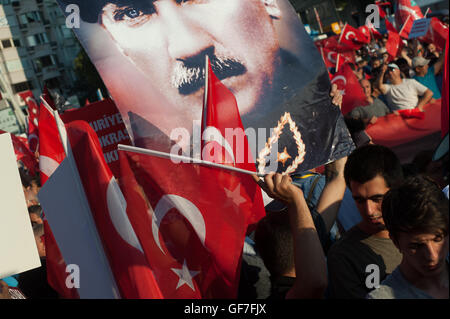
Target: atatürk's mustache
[(189, 76)]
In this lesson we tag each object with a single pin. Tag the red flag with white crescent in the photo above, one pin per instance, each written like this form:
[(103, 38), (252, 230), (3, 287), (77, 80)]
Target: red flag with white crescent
[(126, 257), (224, 140), (348, 85), (365, 31), (51, 151), (351, 37), (191, 222), (51, 154)]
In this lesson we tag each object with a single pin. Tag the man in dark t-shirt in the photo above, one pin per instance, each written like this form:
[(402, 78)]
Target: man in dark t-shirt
[(365, 254)]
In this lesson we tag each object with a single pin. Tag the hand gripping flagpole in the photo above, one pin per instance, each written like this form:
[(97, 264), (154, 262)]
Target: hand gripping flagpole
[(184, 159)]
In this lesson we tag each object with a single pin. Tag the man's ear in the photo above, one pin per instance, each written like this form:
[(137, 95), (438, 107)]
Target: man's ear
[(272, 8)]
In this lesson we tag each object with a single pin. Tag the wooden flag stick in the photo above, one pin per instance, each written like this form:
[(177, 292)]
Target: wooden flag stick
[(183, 159)]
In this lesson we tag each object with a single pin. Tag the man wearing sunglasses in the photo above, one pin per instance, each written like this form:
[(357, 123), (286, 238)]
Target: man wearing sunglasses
[(401, 93)]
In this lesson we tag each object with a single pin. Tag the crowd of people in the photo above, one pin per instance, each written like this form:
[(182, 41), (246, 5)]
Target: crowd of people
[(312, 243), (408, 82)]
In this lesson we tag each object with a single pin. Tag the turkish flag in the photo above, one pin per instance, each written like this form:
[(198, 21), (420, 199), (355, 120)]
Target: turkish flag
[(224, 140), (394, 45), (351, 37), (126, 257), (51, 154), (332, 43), (389, 26), (191, 221), (23, 153), (33, 134), (33, 123), (365, 31), (329, 57), (33, 107), (48, 98), (445, 88), (407, 12), (348, 84), (51, 151), (437, 34), (406, 28)]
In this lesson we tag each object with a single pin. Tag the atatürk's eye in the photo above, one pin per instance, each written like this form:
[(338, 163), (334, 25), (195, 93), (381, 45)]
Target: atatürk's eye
[(132, 13)]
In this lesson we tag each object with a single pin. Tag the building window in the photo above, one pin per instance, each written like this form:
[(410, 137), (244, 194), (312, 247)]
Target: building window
[(6, 43), (44, 62), (37, 39), (17, 43), (23, 86), (14, 65), (30, 17)]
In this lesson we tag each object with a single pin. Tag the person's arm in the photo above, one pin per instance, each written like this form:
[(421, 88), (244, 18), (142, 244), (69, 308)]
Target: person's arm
[(382, 87), (333, 192), (425, 99), (439, 64), (310, 263), (405, 56)]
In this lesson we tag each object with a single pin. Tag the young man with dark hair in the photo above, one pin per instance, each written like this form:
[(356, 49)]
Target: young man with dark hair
[(416, 216), (370, 172)]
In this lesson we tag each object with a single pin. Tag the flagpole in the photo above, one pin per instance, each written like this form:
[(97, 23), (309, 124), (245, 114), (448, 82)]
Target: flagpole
[(404, 24), (342, 33), (337, 63), (184, 159), (426, 12)]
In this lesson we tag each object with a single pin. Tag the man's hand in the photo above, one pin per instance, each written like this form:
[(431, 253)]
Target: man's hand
[(336, 95), (4, 290), (279, 187)]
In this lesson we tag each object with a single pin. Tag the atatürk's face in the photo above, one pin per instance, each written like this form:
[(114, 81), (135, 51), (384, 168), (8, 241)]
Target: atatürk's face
[(168, 40)]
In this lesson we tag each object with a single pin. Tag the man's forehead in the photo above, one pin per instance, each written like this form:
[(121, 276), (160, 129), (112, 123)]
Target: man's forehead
[(419, 237)]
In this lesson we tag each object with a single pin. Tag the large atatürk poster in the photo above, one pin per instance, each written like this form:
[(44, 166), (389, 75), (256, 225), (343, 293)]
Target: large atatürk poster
[(151, 55)]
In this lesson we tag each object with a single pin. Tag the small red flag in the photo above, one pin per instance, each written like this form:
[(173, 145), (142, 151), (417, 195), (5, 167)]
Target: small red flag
[(348, 84)]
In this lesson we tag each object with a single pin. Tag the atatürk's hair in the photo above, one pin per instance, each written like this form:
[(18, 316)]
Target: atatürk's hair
[(369, 161), (274, 243), (418, 205)]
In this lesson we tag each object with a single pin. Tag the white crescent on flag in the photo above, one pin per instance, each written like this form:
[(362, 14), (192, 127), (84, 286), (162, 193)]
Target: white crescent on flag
[(348, 34), (339, 77), (330, 56), (185, 208), (117, 208)]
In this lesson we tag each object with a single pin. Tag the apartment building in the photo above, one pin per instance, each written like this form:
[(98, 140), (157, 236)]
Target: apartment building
[(36, 48)]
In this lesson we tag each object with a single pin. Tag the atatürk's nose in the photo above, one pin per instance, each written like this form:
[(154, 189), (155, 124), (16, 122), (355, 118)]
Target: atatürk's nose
[(185, 35)]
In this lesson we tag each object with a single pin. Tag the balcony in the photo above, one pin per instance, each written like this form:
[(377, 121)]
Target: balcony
[(50, 72)]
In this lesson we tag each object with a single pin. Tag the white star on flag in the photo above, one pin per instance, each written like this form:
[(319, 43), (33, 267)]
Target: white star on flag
[(185, 276), (342, 92), (235, 195)]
